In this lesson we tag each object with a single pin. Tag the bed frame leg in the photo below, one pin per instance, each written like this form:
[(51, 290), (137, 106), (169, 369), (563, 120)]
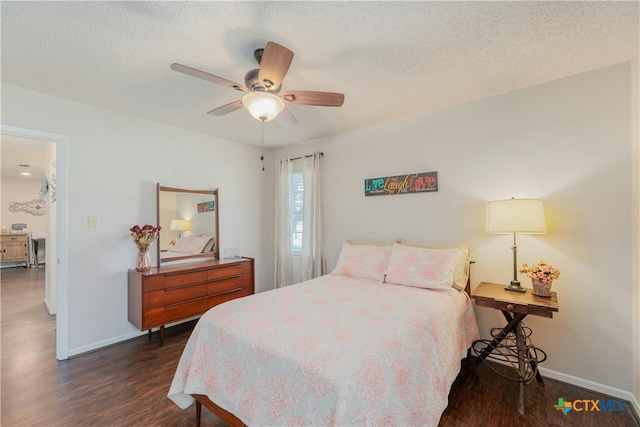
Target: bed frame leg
[(198, 413)]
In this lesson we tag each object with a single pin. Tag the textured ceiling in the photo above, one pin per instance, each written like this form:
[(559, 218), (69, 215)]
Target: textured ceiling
[(390, 59)]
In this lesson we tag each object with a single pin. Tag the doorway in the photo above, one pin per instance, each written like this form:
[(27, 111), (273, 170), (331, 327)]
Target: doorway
[(57, 233)]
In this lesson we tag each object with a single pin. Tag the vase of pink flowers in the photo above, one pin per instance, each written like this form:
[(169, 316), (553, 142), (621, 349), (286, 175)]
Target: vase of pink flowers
[(542, 276), (143, 237)]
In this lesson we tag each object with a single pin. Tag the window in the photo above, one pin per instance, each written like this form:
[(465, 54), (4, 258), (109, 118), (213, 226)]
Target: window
[(297, 200)]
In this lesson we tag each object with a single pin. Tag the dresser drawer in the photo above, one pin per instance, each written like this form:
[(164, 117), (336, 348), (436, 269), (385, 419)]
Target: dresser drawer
[(174, 295), (163, 281), (162, 315), (228, 295), (512, 307), (234, 270), (226, 284)]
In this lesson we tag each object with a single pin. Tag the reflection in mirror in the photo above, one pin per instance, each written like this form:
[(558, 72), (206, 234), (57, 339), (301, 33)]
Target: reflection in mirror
[(189, 221)]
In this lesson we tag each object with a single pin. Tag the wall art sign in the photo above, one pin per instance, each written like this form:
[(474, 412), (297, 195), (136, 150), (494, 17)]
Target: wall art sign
[(424, 182), (206, 206), (36, 207)]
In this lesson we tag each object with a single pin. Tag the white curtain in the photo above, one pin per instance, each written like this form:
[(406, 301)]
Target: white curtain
[(313, 260), (282, 226)]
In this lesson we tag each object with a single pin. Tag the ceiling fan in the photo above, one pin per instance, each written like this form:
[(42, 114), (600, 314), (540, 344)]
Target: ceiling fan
[(262, 88)]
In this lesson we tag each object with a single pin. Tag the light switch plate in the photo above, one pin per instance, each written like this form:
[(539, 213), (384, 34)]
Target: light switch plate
[(92, 221)]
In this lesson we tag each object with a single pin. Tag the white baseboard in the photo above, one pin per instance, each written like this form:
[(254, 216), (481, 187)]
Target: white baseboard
[(594, 386), (48, 307), (115, 340), (104, 343)]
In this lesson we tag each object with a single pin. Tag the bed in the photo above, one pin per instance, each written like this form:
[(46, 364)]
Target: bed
[(189, 245), (377, 342)]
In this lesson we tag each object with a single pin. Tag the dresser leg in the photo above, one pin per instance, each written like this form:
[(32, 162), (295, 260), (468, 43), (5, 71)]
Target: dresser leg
[(162, 335)]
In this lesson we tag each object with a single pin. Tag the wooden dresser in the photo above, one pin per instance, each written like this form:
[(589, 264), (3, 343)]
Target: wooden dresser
[(15, 247), (171, 293)]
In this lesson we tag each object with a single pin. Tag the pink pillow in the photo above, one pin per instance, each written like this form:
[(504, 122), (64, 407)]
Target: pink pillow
[(422, 267), (363, 261)]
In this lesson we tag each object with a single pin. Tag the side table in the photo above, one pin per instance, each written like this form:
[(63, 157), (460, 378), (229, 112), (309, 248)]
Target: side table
[(515, 306)]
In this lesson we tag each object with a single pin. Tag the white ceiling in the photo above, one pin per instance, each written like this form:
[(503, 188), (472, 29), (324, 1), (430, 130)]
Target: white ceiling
[(390, 59), (19, 155)]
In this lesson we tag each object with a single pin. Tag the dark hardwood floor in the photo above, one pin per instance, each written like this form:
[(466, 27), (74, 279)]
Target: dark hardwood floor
[(126, 384), (122, 385)]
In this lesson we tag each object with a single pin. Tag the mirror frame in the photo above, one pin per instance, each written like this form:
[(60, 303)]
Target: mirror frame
[(216, 252)]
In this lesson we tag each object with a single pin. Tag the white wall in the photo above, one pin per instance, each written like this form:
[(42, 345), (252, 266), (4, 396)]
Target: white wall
[(114, 163), (567, 142), (51, 285)]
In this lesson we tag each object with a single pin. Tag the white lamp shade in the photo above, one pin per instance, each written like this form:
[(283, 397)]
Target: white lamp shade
[(264, 106), (180, 225), (524, 216)]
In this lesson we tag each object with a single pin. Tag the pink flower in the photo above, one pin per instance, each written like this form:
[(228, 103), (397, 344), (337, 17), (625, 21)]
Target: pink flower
[(144, 236), (541, 271), (370, 381)]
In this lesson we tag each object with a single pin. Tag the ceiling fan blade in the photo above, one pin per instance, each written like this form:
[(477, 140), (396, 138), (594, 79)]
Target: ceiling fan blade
[(286, 119), (207, 76), (308, 97), (274, 65), (226, 109)]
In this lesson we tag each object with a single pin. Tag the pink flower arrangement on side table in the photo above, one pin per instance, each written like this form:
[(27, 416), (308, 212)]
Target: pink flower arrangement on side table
[(541, 271)]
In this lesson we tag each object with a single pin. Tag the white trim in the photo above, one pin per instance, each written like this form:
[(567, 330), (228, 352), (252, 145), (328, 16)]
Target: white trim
[(105, 343), (593, 386), (47, 305), (62, 229), (122, 338)]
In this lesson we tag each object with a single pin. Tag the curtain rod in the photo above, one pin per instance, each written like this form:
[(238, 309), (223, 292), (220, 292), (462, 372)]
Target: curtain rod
[(310, 155)]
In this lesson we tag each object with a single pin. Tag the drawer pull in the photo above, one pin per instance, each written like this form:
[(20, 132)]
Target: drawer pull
[(217, 279), (184, 302), (510, 307), (186, 285), (225, 292)]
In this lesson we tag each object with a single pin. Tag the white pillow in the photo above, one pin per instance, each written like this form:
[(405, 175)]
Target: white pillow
[(422, 267), (190, 245), (462, 267), (363, 261), (181, 244)]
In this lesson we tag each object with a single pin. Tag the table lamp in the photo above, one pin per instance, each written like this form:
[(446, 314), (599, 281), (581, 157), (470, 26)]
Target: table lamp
[(180, 225), (524, 216)]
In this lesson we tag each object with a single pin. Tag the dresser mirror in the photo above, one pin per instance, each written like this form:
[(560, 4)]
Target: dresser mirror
[(189, 221)]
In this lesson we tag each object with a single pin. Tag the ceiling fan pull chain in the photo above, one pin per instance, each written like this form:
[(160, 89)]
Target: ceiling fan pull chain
[(262, 156)]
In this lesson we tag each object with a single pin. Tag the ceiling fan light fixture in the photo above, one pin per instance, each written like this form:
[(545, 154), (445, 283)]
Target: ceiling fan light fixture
[(264, 106)]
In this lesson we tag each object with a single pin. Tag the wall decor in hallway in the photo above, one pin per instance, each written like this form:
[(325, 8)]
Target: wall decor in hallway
[(36, 207)]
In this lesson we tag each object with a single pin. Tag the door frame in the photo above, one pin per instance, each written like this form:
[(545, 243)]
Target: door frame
[(62, 229)]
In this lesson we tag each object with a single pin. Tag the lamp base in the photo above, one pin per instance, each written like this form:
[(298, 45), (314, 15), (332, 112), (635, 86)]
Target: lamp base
[(515, 287)]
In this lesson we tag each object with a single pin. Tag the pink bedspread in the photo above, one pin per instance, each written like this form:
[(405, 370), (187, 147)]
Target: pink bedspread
[(330, 351)]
